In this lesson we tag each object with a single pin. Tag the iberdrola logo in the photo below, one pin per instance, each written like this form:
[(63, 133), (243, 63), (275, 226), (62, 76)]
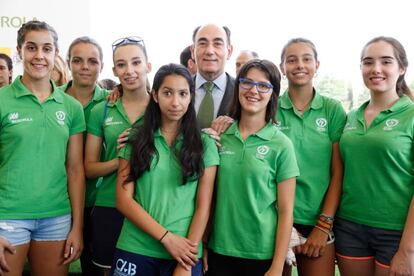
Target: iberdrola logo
[(60, 116), (390, 124), (261, 151), (321, 124)]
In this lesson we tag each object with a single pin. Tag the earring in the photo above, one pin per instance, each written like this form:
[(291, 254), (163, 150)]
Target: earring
[(284, 76)]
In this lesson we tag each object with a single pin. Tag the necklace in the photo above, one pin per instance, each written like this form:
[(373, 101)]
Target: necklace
[(304, 107)]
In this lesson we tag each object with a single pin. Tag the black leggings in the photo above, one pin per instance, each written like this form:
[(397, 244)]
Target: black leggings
[(219, 265)]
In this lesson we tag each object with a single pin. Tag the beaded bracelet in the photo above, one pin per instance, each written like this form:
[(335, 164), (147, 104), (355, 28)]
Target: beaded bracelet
[(331, 237), (326, 218), (323, 224)]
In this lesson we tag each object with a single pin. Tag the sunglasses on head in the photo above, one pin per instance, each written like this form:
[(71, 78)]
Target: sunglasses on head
[(127, 40)]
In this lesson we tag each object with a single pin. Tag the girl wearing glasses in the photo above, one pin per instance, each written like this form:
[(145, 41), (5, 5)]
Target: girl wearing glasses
[(165, 183), (255, 181), (41, 168), (85, 62), (375, 225), (107, 120), (314, 124)]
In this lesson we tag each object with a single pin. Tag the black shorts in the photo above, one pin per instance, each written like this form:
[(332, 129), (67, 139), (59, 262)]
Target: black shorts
[(361, 242), (106, 227), (126, 263), (219, 265), (303, 229)]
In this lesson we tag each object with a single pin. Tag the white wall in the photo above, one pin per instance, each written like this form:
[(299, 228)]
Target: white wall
[(338, 28), (69, 18)]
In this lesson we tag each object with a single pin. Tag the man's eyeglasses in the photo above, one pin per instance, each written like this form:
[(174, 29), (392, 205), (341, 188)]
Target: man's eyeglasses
[(127, 40), (262, 87)]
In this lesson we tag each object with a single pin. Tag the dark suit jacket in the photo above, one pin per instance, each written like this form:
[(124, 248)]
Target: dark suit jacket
[(227, 98)]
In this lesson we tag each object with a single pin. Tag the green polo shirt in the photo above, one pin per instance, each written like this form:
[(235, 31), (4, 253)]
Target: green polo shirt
[(245, 220), (99, 95), (312, 135), (33, 145), (378, 161), (162, 194), (108, 124)]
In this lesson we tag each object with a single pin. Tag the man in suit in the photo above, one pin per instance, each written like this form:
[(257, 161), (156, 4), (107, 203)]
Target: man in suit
[(211, 50)]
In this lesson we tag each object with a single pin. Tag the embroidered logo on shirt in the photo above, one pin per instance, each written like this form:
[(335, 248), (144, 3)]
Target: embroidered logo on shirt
[(14, 118), (60, 116), (390, 124), (321, 124), (279, 126), (224, 151), (349, 127), (110, 121), (261, 151)]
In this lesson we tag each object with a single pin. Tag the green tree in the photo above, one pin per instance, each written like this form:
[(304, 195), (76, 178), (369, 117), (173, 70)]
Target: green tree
[(335, 88)]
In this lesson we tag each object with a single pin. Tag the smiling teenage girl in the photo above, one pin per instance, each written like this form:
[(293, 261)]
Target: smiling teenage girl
[(42, 178), (314, 124), (106, 122), (255, 181), (375, 225)]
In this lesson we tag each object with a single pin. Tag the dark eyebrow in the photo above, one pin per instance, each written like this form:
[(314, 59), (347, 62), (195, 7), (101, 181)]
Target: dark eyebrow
[(383, 57), (202, 39), (34, 43), (217, 39), (367, 58)]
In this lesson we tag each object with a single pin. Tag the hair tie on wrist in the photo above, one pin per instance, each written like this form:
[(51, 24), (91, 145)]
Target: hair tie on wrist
[(165, 234)]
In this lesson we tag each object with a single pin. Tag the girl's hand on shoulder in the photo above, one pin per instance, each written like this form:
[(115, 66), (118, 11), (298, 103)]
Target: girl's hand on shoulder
[(402, 264), (315, 244), (181, 249), (73, 246), (114, 95), (221, 124), (213, 134), (5, 246), (122, 139)]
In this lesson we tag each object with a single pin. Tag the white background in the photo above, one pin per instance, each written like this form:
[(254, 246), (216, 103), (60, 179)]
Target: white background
[(338, 28)]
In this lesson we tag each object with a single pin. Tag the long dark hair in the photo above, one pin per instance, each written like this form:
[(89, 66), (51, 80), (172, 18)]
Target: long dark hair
[(272, 73), (143, 147)]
